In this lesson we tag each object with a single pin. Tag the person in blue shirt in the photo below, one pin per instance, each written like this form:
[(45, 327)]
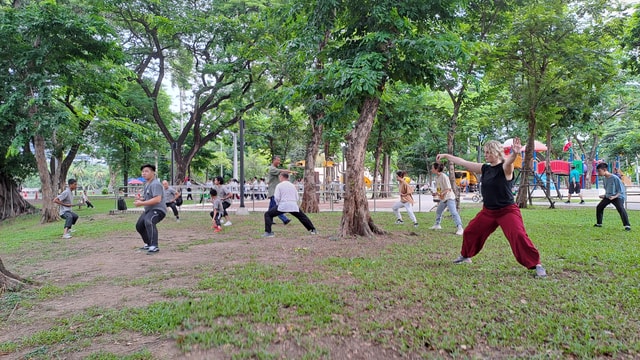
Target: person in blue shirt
[(614, 193), (574, 184)]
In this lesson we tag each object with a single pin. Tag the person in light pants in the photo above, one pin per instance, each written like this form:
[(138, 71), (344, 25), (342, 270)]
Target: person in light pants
[(406, 199), (447, 197)]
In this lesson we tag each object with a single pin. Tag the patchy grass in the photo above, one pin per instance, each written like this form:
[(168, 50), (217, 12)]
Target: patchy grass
[(397, 294)]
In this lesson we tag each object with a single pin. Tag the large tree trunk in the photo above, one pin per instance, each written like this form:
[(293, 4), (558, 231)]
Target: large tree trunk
[(309, 196), (50, 212), (356, 219), (12, 204), (9, 281)]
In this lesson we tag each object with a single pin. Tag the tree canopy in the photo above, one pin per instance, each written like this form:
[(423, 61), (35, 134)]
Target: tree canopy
[(148, 80)]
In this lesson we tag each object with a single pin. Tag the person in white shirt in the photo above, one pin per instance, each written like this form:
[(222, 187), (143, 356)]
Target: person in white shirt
[(262, 189), (286, 199)]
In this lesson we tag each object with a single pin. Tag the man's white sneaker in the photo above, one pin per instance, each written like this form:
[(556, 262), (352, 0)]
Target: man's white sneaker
[(436, 227), (66, 236), (460, 230), (228, 223)]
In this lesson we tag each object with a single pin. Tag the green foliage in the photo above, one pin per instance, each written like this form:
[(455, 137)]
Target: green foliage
[(631, 43), (45, 49)]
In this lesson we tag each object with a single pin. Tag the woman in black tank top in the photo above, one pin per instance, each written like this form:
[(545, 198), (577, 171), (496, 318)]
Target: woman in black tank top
[(499, 208)]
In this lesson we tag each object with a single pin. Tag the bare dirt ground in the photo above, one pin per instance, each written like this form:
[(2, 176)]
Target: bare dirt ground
[(106, 262)]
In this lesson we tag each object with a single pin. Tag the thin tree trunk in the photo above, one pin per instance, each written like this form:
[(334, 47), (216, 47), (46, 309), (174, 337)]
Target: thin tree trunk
[(527, 163), (385, 177), (309, 196), (356, 219), (376, 167), (451, 135), (49, 208)]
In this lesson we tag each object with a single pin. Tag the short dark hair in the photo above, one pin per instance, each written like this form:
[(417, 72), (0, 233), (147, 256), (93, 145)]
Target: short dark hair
[(602, 165), (152, 167), (437, 166), (71, 181), (213, 192), (284, 175), (220, 179), (401, 173)]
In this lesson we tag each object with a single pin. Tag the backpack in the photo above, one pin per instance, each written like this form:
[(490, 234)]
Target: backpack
[(179, 200)]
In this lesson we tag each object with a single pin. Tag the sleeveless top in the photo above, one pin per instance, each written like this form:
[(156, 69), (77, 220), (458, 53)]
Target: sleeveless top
[(496, 190)]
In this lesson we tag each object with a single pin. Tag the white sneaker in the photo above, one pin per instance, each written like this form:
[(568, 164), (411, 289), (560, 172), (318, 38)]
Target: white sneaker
[(436, 227), (228, 223), (66, 236), (460, 231), (540, 271), (462, 260)]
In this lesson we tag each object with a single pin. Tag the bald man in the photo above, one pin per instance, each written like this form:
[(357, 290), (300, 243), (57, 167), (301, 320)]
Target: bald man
[(170, 196)]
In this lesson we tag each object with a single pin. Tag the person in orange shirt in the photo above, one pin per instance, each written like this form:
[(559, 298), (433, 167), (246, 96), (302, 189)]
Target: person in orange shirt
[(406, 199)]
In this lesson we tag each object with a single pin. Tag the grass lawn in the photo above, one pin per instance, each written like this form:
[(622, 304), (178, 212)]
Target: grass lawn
[(235, 295)]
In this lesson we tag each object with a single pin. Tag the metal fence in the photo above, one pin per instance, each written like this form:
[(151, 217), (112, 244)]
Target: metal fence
[(330, 197)]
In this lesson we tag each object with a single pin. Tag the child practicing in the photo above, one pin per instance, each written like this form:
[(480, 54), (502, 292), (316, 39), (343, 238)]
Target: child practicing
[(217, 212)]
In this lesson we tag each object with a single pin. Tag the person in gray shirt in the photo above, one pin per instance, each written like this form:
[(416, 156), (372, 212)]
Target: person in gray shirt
[(154, 209), (65, 201), (614, 193), (170, 196)]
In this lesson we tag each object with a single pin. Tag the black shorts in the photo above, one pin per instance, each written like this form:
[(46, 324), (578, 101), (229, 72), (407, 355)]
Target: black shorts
[(574, 188)]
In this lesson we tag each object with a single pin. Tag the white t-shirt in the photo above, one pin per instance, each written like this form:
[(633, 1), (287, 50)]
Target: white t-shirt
[(286, 197), (443, 184)]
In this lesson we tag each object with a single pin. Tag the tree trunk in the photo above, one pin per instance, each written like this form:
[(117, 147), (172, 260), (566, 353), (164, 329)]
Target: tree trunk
[(12, 203), (310, 199), (376, 167), (385, 176), (527, 164), (548, 167), (451, 136), (9, 281), (50, 211), (356, 219), (309, 196)]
